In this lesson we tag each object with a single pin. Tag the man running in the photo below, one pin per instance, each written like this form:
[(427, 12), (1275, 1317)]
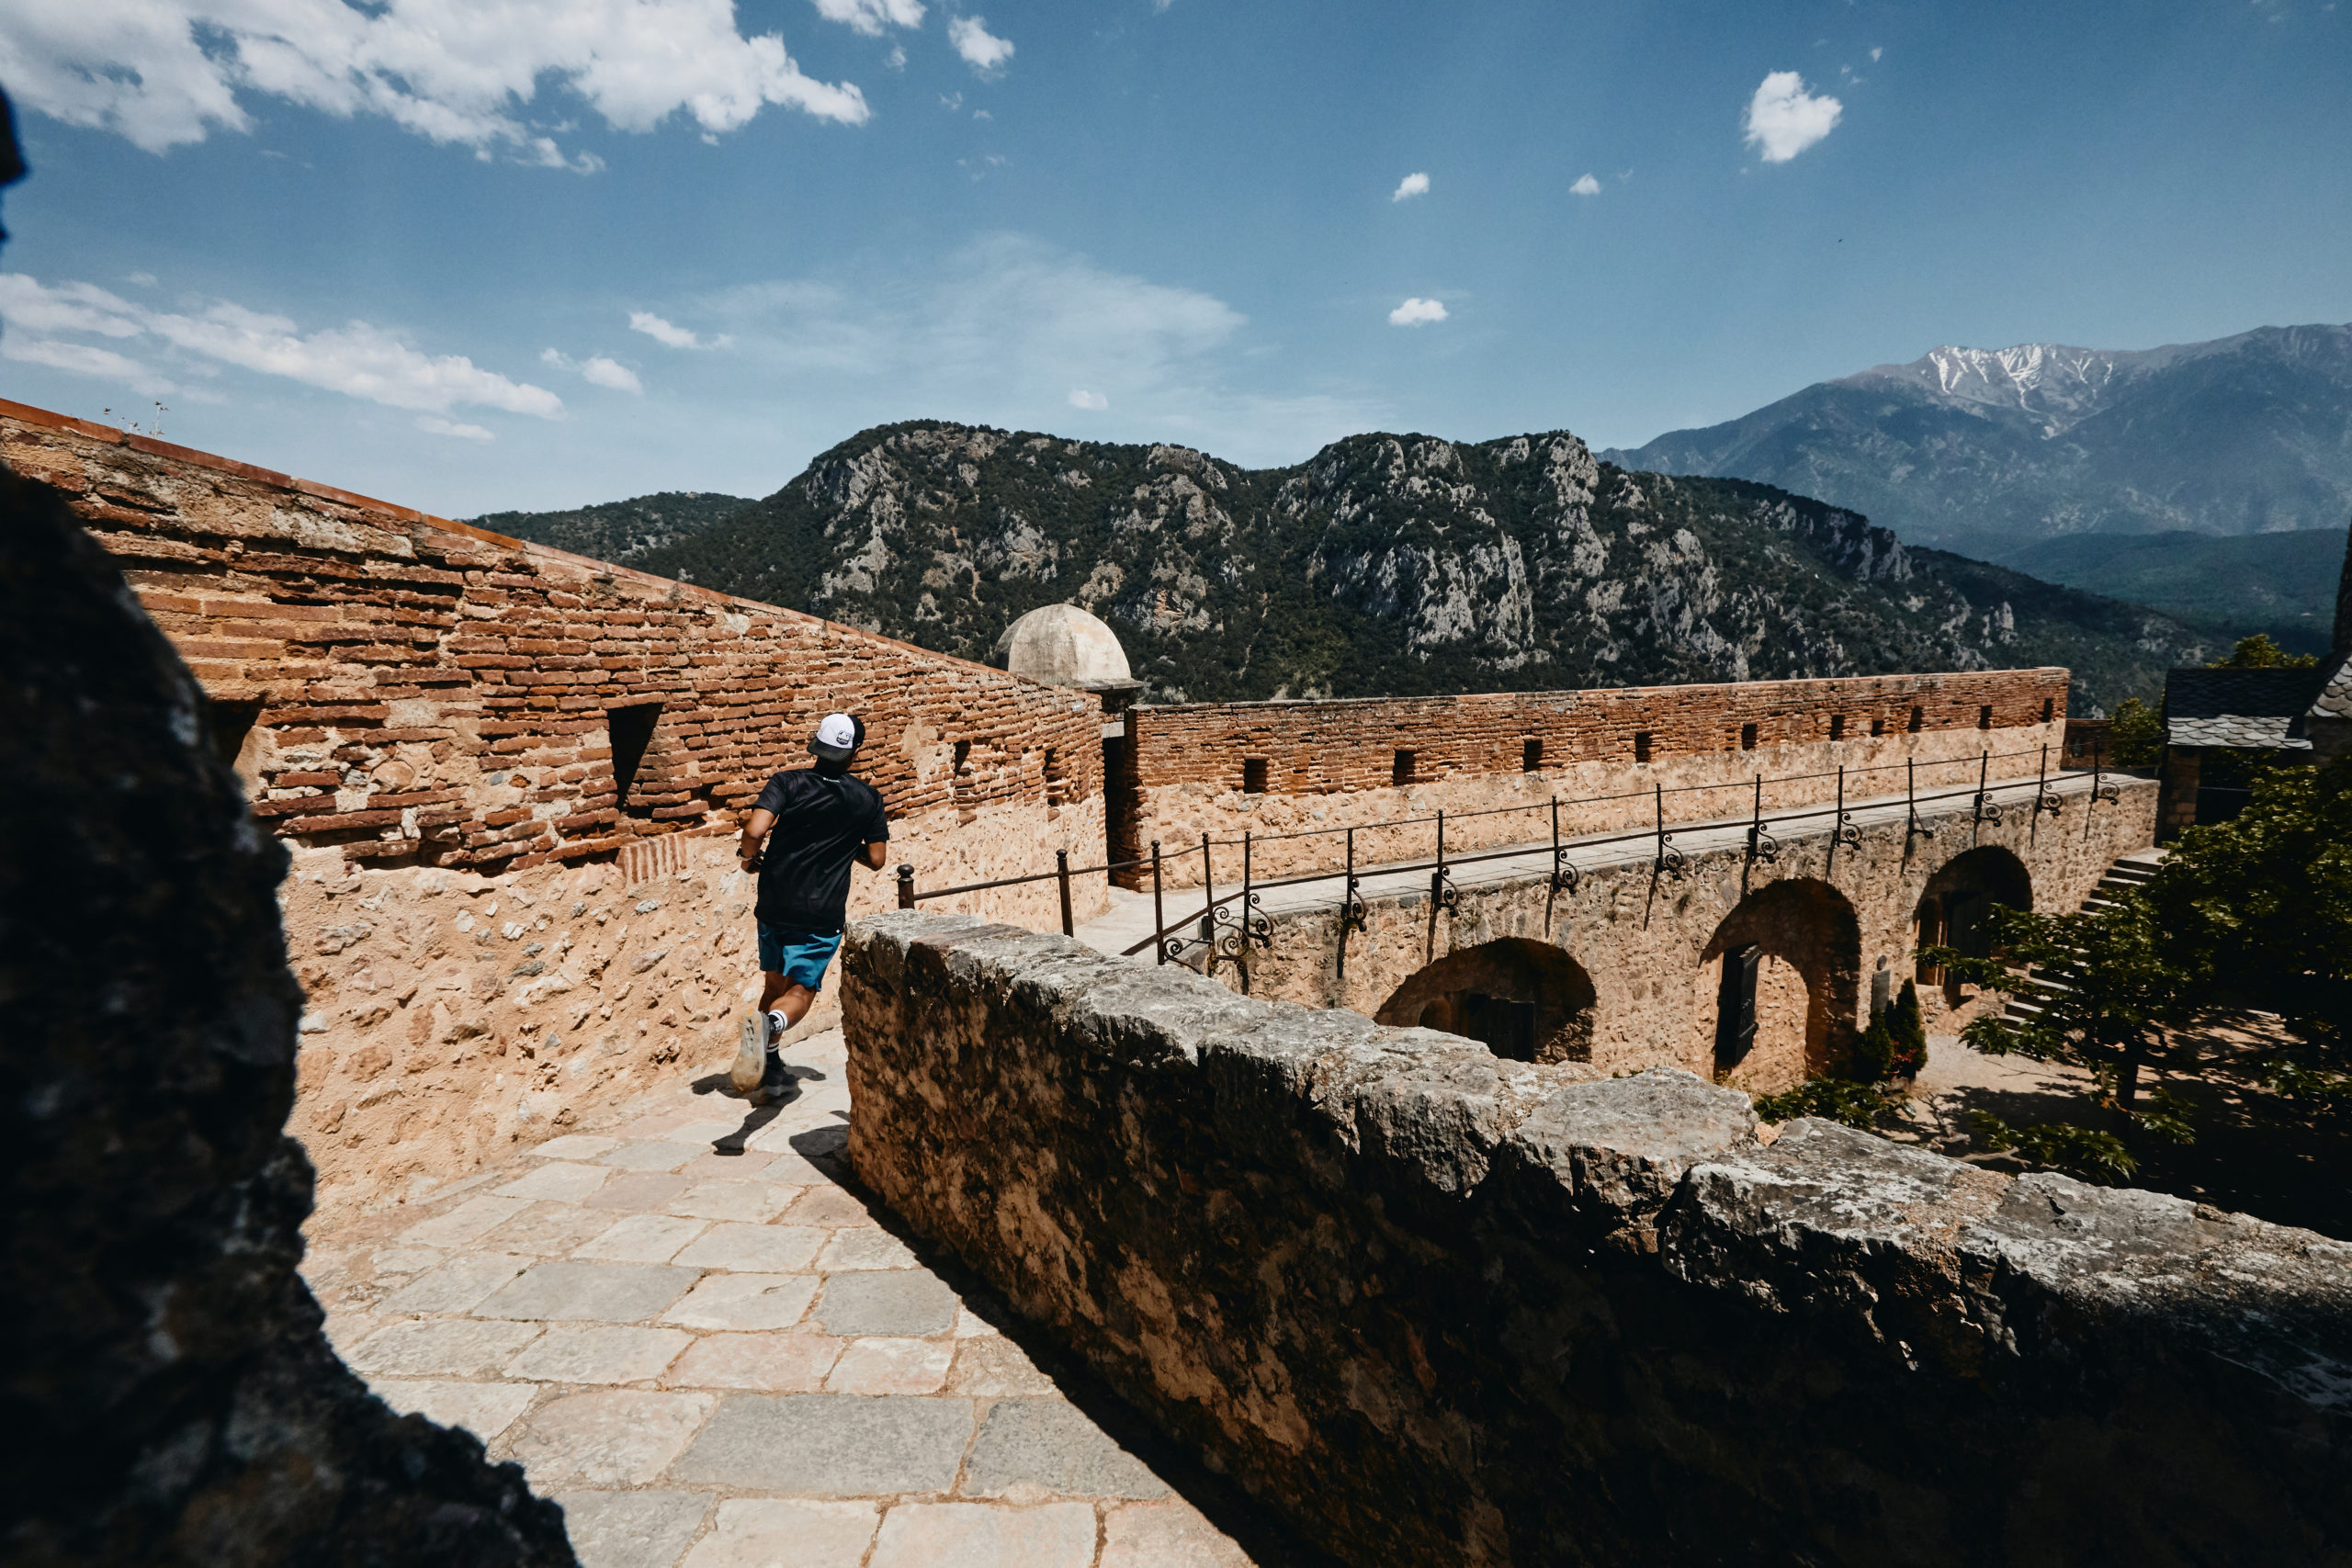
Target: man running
[(819, 820)]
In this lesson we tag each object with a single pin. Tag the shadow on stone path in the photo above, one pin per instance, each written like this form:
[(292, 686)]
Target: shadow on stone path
[(691, 1329)]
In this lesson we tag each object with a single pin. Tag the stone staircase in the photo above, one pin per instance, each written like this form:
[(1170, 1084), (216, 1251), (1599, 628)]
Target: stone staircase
[(2128, 870)]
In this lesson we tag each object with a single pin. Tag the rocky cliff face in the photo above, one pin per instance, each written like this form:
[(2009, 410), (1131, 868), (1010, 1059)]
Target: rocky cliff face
[(1392, 565), (1986, 450)]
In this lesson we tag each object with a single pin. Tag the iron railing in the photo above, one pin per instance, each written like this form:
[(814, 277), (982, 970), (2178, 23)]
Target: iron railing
[(1228, 927)]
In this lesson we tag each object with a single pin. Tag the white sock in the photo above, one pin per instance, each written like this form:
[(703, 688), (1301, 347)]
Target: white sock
[(777, 1024)]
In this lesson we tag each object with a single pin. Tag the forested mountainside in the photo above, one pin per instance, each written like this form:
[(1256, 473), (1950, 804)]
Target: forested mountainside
[(1392, 565), (618, 531), (2283, 584), (1986, 450)]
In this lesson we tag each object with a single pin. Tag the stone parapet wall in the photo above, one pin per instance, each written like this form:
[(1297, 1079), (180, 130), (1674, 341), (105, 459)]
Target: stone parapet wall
[(1318, 767), (416, 691), (1437, 1307)]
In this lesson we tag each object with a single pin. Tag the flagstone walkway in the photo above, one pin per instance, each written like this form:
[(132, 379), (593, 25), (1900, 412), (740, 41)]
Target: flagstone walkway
[(696, 1335)]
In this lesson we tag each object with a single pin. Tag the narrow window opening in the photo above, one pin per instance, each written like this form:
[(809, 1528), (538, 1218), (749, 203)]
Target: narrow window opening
[(1918, 720), (632, 731), (1878, 727), (1747, 737), (1531, 756), (1057, 786), (1984, 716), (963, 757), (1400, 771), (1253, 776), (1836, 726), (2049, 709), (232, 722), (1641, 746)]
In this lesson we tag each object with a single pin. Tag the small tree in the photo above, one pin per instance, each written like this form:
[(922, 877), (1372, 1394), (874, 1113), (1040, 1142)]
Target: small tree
[(2135, 736), (1906, 1028), (2258, 652), (2113, 990)]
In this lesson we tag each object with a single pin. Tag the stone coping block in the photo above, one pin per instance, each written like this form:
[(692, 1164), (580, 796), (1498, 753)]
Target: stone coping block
[(1435, 1307)]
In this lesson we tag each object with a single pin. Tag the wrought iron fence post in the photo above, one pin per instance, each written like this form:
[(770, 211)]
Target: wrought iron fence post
[(1159, 915), (1347, 905), (1208, 905), (1761, 845), (1061, 874), (2042, 799), (906, 886), (1911, 804)]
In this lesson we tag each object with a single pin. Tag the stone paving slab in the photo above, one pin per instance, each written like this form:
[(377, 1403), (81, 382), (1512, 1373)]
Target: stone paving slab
[(716, 1355)]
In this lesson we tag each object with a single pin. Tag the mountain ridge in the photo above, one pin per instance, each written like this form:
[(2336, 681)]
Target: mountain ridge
[(1989, 449), (1391, 565)]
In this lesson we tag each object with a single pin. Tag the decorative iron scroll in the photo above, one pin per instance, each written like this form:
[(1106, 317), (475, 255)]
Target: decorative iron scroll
[(1444, 893), (1565, 878), (1846, 833), (1354, 914), (1987, 809), (1672, 862), (1762, 846)]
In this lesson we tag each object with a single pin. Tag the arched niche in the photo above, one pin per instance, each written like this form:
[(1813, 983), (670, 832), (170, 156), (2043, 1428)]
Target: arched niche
[(1520, 997), (1954, 905), (1778, 987)]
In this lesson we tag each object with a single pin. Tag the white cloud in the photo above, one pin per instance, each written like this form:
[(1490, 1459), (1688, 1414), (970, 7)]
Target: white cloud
[(981, 49), (1585, 186), (161, 72), (1417, 312), (661, 332), (1875, 52), (1783, 120), (597, 371), (870, 17), (432, 424), (1094, 402), (1411, 185), (83, 359), (357, 359)]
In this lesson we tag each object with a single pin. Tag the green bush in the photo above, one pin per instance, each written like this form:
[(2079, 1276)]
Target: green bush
[(1833, 1099), (2137, 738), (1907, 1027)]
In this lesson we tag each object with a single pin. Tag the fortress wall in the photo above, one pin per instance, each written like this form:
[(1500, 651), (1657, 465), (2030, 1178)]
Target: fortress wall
[(1185, 770), (424, 714), (1437, 1307)]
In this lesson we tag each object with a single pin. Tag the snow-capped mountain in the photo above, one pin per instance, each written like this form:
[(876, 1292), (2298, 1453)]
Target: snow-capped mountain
[(1986, 449)]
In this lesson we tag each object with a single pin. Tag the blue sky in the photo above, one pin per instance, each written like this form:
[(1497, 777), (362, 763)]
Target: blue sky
[(471, 254)]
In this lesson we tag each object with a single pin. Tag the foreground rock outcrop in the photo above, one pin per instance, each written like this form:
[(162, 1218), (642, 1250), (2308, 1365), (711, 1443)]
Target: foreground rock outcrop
[(168, 1395), (1438, 1307)]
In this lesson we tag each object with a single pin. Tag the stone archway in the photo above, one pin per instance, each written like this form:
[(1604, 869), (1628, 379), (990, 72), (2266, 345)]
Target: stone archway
[(1520, 997), (1778, 987), (1954, 903)]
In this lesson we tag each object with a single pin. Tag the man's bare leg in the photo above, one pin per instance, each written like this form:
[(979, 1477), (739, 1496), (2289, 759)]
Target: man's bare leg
[(787, 996)]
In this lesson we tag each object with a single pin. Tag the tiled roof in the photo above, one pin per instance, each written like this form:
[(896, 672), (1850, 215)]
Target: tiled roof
[(2335, 699), (2240, 710)]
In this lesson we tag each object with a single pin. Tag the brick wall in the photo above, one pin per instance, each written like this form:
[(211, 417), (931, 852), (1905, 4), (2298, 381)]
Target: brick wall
[(413, 691), (1307, 766)]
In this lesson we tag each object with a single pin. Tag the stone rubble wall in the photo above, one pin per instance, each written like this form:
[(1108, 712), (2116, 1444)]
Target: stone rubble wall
[(1441, 1308), (1330, 766), (171, 1399)]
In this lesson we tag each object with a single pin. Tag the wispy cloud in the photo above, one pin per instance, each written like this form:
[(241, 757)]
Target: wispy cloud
[(434, 425), (358, 359), (981, 49), (662, 332), (163, 73), (1094, 402), (1417, 312), (1585, 186), (597, 371), (1411, 186), (1783, 119), (870, 17)]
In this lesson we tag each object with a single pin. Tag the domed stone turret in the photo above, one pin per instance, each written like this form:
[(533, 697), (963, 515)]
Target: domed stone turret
[(1061, 645)]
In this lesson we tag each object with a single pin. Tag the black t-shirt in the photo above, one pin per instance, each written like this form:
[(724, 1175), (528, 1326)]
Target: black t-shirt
[(821, 824)]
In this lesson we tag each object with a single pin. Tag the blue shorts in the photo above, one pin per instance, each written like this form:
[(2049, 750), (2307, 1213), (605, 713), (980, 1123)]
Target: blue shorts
[(799, 956)]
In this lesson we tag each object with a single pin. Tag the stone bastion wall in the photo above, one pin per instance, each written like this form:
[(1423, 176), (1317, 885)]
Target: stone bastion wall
[(509, 778), (1299, 767), (1438, 1307)]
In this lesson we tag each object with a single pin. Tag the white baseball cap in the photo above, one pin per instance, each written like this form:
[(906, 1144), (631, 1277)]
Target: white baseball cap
[(837, 736)]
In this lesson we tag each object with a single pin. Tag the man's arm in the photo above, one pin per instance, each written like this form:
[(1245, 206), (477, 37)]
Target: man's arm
[(875, 854), (755, 833)]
